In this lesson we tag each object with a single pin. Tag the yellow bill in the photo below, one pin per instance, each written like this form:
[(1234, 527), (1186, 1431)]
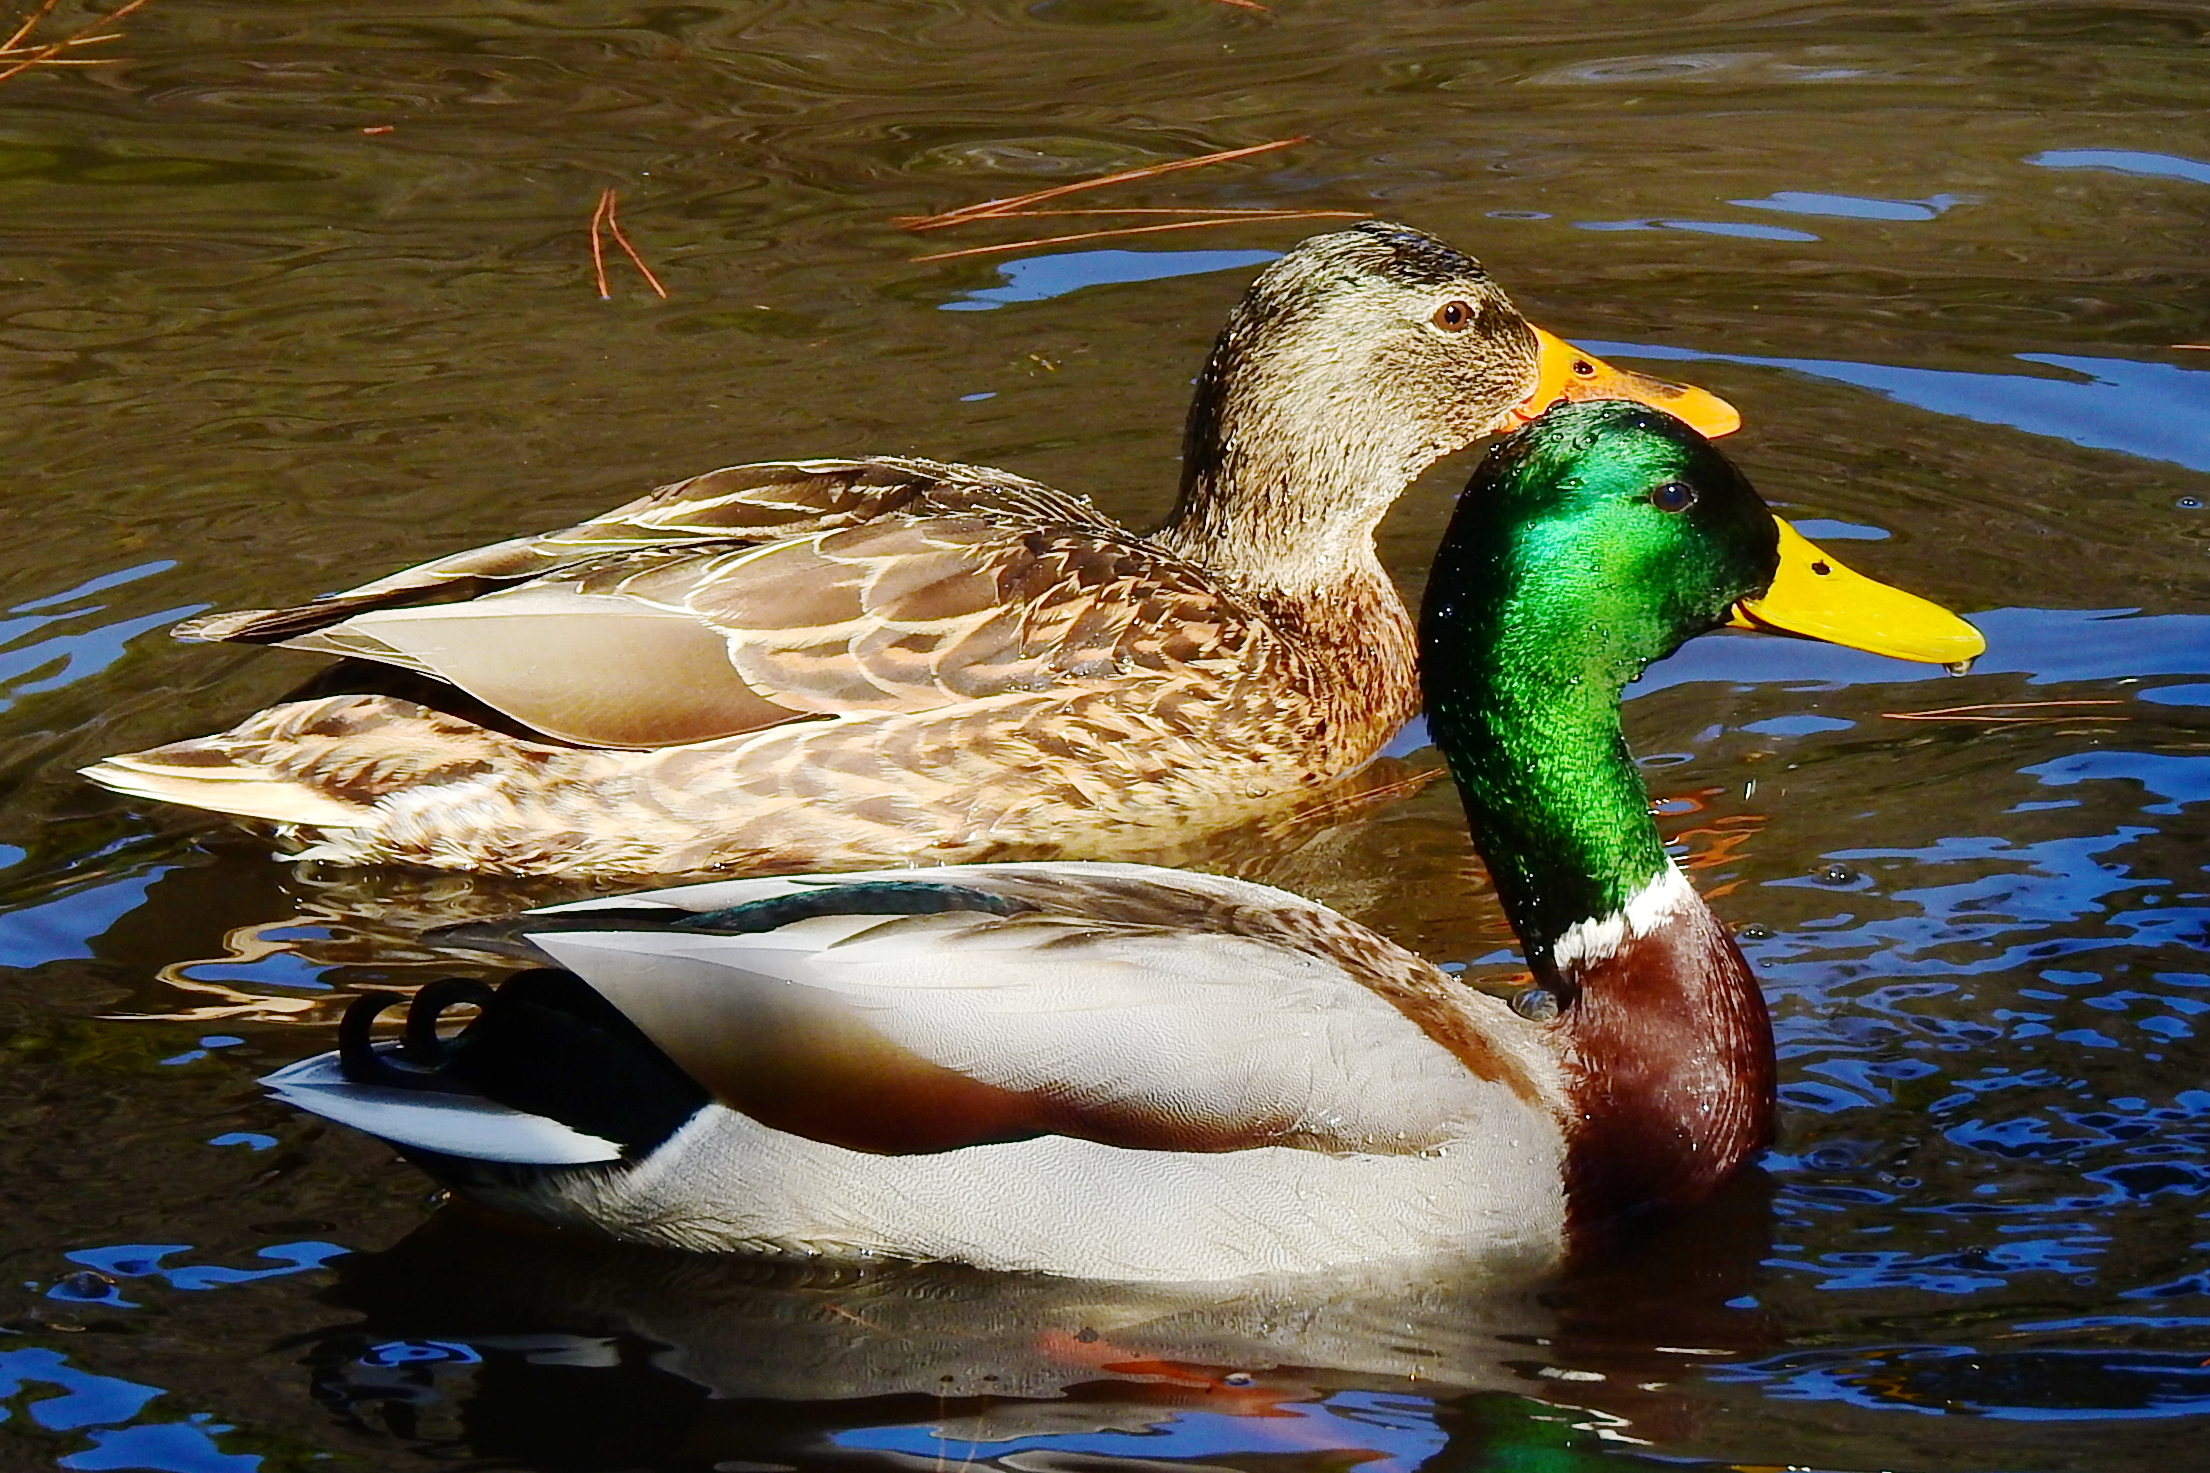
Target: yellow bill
[(1815, 596), (1563, 374)]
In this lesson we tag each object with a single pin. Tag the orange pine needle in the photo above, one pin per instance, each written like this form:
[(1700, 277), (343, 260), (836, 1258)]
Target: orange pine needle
[(1996, 711), (603, 221), (630, 251), (91, 40), (999, 207), (44, 53), (1050, 240), (598, 246), (1247, 5), (77, 37), (1240, 212), (30, 23)]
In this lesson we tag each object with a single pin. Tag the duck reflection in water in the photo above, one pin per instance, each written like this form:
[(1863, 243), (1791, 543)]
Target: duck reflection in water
[(550, 1349)]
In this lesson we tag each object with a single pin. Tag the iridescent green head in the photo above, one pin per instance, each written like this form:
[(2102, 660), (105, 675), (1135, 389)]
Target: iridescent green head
[(1590, 543)]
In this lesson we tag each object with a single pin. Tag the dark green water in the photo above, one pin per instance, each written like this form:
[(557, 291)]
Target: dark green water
[(1940, 255)]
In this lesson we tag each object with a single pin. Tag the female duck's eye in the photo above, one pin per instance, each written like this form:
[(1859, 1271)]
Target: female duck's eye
[(1583, 368), (1673, 496), (1453, 317)]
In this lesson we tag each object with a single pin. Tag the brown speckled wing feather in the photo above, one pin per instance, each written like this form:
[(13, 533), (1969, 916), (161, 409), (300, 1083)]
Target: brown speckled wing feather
[(746, 504), (669, 646), (912, 615)]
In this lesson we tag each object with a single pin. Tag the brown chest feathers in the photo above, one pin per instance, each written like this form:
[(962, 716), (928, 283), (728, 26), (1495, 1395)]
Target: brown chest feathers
[(1669, 1060), (1354, 649)]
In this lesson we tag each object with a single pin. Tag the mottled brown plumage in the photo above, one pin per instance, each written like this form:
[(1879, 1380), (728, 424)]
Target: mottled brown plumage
[(835, 662)]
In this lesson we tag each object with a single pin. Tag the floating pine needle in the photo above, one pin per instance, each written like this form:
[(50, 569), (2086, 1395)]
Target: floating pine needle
[(997, 207), (603, 219), (30, 23), (1049, 240), (2198, 347), (2013, 712), (1247, 5), (20, 57), (598, 244), (1228, 212), (1018, 207)]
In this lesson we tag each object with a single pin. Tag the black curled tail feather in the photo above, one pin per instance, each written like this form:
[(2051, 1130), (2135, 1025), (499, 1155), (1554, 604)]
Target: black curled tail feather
[(544, 1041), (420, 1044), (422, 1053), (357, 1053)]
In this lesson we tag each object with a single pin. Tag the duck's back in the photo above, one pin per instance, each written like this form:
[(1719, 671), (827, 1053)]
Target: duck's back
[(828, 662), (736, 506)]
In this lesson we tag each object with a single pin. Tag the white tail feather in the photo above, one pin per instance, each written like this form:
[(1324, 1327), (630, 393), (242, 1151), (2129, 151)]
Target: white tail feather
[(449, 1124)]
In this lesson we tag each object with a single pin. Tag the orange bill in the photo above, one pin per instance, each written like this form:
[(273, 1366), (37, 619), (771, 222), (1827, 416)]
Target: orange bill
[(1563, 373)]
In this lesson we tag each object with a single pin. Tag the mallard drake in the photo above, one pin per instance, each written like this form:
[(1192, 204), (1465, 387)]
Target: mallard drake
[(1119, 1071), (839, 662)]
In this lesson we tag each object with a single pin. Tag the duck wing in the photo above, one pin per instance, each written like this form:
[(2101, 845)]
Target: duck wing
[(675, 644), (1103, 1015), (737, 504)]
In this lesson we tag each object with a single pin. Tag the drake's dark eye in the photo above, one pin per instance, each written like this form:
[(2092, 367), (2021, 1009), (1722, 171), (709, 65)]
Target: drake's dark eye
[(1582, 368), (1453, 317), (1673, 496)]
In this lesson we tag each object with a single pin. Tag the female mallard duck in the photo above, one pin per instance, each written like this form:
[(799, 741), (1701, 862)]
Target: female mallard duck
[(1120, 1071), (832, 662)]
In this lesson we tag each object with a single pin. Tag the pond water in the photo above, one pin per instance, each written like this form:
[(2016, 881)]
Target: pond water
[(296, 294)]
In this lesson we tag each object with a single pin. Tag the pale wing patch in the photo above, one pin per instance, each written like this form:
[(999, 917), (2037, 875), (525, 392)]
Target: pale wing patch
[(348, 642), (1485, 1039), (799, 1060), (713, 895), (595, 669)]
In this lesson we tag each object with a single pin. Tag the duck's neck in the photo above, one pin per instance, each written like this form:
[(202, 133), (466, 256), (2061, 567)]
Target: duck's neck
[(1289, 463), (1662, 1032), (1558, 810)]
